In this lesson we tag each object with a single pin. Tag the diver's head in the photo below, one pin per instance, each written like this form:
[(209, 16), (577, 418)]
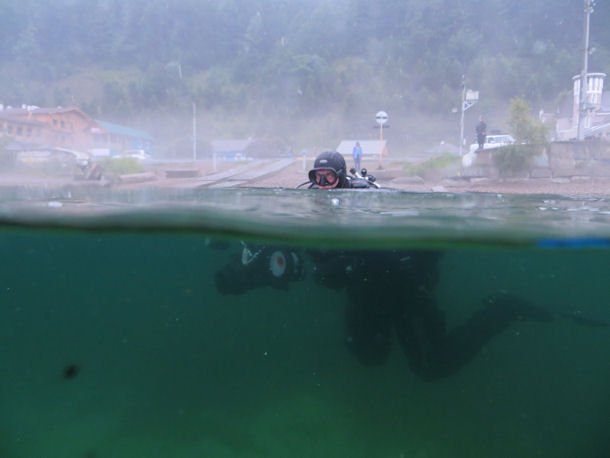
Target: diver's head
[(329, 170)]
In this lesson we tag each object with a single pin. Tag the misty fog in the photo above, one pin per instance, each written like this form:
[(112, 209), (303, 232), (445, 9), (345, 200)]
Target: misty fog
[(310, 72)]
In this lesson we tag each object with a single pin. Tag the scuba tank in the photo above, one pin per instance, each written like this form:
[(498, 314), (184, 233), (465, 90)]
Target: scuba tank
[(362, 179)]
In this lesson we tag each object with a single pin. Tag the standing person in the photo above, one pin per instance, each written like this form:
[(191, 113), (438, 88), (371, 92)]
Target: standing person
[(357, 155), (481, 131)]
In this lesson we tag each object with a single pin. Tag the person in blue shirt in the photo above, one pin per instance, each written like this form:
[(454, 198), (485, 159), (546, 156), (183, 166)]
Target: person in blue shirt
[(357, 155)]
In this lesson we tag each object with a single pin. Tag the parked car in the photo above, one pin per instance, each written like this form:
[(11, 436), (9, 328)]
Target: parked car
[(494, 141), (138, 154)]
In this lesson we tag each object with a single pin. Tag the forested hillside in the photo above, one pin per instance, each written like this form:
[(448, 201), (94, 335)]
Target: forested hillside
[(268, 61)]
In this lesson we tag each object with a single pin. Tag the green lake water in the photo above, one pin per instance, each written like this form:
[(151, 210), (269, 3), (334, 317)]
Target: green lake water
[(116, 342)]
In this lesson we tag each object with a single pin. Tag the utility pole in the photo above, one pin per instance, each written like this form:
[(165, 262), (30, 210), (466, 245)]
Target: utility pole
[(469, 98), (584, 83), (194, 131)]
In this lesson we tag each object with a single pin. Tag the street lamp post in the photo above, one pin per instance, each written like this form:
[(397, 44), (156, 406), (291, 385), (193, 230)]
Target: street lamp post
[(194, 131), (584, 86), (381, 117)]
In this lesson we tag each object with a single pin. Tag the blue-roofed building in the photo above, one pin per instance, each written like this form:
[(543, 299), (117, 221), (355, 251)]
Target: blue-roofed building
[(116, 139)]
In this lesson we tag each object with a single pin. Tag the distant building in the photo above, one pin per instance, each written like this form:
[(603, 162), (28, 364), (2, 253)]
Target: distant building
[(116, 138), (370, 148), (70, 127), (26, 131), (597, 123), (241, 149), (52, 127), (231, 150)]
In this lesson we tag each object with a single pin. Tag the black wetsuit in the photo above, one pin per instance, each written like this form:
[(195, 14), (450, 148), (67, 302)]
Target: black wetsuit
[(388, 292)]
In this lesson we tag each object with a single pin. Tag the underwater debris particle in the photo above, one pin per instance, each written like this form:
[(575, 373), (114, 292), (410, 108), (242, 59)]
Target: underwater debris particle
[(70, 371)]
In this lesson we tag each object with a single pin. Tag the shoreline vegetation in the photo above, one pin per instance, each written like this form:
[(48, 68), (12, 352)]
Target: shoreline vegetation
[(309, 72)]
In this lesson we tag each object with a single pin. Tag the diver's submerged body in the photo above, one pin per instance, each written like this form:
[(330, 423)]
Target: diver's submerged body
[(388, 292), (394, 291)]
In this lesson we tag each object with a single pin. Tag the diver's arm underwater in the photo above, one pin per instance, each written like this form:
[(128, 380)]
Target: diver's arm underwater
[(260, 266)]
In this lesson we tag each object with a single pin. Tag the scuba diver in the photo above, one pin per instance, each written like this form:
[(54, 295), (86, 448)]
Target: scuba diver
[(389, 293), (329, 171)]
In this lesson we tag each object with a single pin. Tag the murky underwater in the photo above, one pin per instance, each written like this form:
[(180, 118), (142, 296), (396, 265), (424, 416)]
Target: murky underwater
[(274, 323)]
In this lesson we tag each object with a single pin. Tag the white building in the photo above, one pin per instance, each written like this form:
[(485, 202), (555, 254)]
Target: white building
[(597, 121), (370, 148)]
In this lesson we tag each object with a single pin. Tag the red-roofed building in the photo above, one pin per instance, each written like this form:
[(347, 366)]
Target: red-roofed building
[(69, 128), (54, 127)]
